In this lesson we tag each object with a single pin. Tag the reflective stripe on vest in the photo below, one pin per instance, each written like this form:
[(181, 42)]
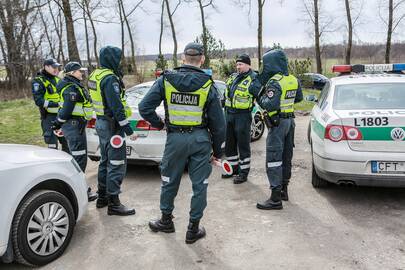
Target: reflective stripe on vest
[(242, 99), (186, 109), (51, 93), (94, 86), (289, 88), (82, 109)]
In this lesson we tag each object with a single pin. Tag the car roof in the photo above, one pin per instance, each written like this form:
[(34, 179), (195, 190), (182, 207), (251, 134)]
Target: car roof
[(368, 78), (150, 83)]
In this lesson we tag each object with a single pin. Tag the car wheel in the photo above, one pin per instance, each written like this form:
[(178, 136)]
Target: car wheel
[(42, 227), (317, 182), (257, 128)]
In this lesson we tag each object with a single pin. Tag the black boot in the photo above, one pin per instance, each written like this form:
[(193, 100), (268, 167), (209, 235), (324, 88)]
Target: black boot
[(273, 203), (91, 196), (102, 200), (164, 224), (225, 176), (115, 207), (284, 193), (194, 233), (241, 178)]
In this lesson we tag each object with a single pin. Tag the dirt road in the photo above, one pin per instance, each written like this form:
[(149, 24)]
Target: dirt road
[(336, 228)]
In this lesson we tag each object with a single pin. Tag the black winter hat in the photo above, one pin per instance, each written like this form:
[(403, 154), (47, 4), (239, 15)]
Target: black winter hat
[(72, 66), (244, 58)]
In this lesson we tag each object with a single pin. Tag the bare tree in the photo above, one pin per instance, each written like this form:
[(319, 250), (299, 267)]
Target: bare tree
[(70, 32), (58, 28), (396, 15), (352, 20), (161, 28), (125, 18), (204, 4), (170, 15), (260, 12), (321, 23), (15, 26), (89, 7)]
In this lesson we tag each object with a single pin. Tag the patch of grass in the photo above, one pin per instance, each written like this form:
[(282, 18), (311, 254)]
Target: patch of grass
[(20, 122), (307, 105)]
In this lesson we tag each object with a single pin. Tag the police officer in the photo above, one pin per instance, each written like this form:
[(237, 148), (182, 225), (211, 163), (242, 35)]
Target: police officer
[(75, 110), (46, 97), (107, 92), (281, 90), (239, 102), (195, 125)]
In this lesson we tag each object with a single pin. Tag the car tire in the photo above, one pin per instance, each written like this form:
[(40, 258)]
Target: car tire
[(257, 128), (46, 215), (317, 182)]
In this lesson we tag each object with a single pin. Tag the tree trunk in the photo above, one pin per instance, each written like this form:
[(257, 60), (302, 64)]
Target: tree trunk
[(70, 32), (86, 33), (58, 25), (350, 33), (161, 27), (131, 40), (206, 64), (389, 31), (260, 4), (317, 39), (122, 36), (173, 33), (48, 38)]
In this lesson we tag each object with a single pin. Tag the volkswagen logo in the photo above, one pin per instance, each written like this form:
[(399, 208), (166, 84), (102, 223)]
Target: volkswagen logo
[(398, 134)]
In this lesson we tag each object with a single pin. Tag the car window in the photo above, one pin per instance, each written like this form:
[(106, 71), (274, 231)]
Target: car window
[(370, 96), (324, 95)]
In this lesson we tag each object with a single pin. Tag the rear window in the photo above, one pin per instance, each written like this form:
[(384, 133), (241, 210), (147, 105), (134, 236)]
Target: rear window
[(136, 94), (369, 96)]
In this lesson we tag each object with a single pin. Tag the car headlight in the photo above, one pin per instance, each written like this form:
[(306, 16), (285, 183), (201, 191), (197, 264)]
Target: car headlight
[(77, 167)]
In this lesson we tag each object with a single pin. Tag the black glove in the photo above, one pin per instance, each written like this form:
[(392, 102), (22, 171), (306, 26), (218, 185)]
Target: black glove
[(56, 125)]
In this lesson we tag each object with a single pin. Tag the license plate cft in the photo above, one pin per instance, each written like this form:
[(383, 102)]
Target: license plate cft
[(388, 167), (128, 150)]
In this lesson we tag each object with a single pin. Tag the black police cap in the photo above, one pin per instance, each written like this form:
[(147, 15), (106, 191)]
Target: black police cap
[(51, 62), (72, 66), (194, 49)]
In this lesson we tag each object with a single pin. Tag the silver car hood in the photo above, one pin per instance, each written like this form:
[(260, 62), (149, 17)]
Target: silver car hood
[(23, 154)]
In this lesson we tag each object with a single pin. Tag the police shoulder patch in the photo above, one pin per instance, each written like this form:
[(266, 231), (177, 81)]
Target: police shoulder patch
[(116, 87), (35, 86), (73, 96)]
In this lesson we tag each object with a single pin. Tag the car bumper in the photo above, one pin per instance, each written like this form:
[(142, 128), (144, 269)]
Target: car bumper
[(145, 149), (358, 172)]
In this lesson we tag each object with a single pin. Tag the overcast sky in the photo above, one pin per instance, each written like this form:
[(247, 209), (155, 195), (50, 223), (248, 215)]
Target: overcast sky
[(285, 24)]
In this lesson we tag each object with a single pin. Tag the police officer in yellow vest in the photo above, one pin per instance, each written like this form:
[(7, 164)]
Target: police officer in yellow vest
[(239, 102), (75, 110), (195, 128), (280, 92), (107, 92), (46, 97)]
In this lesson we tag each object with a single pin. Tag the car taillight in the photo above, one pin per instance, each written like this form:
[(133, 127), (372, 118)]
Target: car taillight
[(338, 133), (91, 123), (144, 125)]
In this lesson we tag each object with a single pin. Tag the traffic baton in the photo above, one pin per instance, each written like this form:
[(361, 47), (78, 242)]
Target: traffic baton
[(225, 166), (58, 133), (116, 141)]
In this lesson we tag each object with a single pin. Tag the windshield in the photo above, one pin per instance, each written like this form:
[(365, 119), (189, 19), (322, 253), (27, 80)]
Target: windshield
[(370, 96), (136, 94)]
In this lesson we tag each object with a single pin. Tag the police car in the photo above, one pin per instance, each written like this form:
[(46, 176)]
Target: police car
[(149, 147), (357, 128)]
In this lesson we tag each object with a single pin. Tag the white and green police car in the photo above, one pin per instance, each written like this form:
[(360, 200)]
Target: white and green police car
[(357, 128)]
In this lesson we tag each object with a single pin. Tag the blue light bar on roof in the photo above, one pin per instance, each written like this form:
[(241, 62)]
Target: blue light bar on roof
[(372, 68)]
